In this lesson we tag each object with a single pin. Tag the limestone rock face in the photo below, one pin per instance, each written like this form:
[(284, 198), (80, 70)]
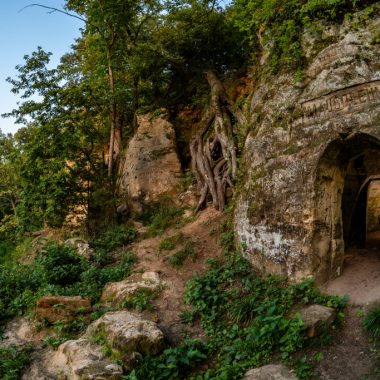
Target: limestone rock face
[(114, 293), (61, 308), (128, 333), (269, 372), (151, 166), (311, 149), (83, 360), (315, 316)]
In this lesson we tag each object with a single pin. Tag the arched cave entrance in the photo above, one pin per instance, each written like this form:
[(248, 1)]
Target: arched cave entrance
[(347, 202)]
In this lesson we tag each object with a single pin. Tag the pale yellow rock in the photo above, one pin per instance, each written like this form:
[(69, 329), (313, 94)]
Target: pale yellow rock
[(270, 372), (150, 168)]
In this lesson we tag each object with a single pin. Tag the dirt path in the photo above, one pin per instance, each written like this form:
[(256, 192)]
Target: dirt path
[(350, 356), (204, 233), (360, 278)]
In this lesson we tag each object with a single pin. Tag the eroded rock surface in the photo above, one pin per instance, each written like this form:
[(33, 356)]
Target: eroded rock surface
[(270, 372), (115, 293), (82, 360), (61, 308), (151, 166), (312, 146), (315, 317), (82, 247), (127, 333)]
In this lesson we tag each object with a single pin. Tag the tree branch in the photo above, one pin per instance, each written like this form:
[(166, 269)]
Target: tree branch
[(53, 9)]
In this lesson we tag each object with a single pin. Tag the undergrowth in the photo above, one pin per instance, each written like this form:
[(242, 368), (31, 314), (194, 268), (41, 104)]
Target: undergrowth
[(12, 361), (161, 215), (59, 270), (277, 26), (371, 324), (178, 258), (249, 320)]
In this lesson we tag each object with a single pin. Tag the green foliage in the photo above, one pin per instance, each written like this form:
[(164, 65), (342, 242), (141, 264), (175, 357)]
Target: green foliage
[(12, 361), (170, 242), (57, 270), (278, 25), (113, 238), (187, 251), (173, 363), (187, 180), (6, 249), (372, 322), (54, 342), (160, 216), (61, 264), (248, 321), (64, 331), (166, 244), (140, 301)]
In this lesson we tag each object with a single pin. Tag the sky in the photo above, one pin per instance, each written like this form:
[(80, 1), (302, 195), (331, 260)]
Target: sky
[(21, 32)]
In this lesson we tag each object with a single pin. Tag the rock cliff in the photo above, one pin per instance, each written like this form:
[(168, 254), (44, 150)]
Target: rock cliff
[(314, 146)]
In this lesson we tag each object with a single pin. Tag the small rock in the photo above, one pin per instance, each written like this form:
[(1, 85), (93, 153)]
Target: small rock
[(315, 316), (115, 293), (270, 372), (82, 247), (60, 308)]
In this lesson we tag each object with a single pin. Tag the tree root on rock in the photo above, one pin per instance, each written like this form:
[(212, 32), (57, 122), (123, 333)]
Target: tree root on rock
[(213, 149)]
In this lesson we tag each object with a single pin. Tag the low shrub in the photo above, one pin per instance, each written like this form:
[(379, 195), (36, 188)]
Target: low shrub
[(13, 359), (372, 322), (160, 216), (57, 270), (187, 251)]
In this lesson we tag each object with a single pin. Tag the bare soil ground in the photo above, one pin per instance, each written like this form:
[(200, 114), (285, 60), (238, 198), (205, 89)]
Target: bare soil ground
[(360, 278), (350, 356), (204, 233)]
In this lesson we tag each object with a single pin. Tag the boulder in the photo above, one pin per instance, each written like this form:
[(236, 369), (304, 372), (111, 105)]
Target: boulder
[(83, 360), (115, 293), (150, 168), (61, 308), (316, 316), (127, 334), (82, 247), (270, 372)]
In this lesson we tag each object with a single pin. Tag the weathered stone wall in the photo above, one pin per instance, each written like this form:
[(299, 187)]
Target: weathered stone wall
[(289, 217), (374, 206)]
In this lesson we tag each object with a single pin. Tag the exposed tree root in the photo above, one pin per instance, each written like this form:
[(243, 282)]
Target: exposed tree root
[(213, 150)]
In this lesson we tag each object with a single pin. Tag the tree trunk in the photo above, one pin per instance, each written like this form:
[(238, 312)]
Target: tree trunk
[(213, 150), (115, 130)]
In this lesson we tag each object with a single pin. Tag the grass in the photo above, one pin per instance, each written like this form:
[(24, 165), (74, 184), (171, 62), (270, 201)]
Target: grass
[(160, 216), (178, 258), (372, 323)]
